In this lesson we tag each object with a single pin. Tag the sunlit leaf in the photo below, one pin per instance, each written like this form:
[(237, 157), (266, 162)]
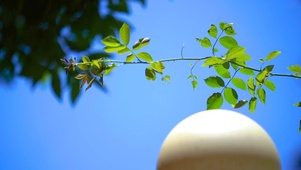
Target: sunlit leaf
[(261, 94), (230, 95), (247, 71), (166, 78), (242, 58), (83, 66), (150, 74), (194, 83), (125, 50), (90, 83), (192, 76), (215, 82), (229, 30), (295, 68), (215, 101), (222, 71), (269, 68), (158, 67), (222, 25), (235, 52), (212, 31), (110, 49), (212, 61), (251, 85), (141, 43), (109, 69), (270, 85), (95, 64), (130, 57), (297, 104), (145, 56), (80, 76), (252, 104), (86, 59), (124, 33), (215, 49), (228, 42), (205, 42), (272, 55), (240, 104), (239, 83), (261, 76), (111, 41)]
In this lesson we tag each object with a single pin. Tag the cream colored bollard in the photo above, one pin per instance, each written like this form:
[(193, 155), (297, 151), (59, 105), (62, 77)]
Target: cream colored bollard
[(218, 140)]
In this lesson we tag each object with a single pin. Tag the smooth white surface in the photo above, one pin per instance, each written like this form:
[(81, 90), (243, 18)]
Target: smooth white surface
[(215, 140)]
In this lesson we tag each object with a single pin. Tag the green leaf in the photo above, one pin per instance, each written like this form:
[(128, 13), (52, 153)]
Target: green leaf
[(158, 67), (166, 78), (242, 58), (124, 33), (228, 42), (234, 66), (150, 74), (270, 85), (192, 76), (145, 56), (90, 83), (239, 83), (212, 31), (251, 85), (86, 59), (95, 64), (261, 76), (215, 101), (111, 41), (235, 52), (252, 104), (83, 66), (222, 71), (205, 42), (130, 57), (261, 94), (125, 50), (80, 76), (109, 69), (212, 61), (295, 68), (269, 68), (297, 104), (230, 95), (229, 30), (215, 82), (240, 104), (110, 49), (272, 55), (222, 25), (261, 60), (247, 71), (141, 43), (215, 49), (56, 84), (194, 83)]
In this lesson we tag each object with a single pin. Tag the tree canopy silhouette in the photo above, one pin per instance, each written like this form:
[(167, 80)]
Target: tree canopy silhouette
[(33, 40)]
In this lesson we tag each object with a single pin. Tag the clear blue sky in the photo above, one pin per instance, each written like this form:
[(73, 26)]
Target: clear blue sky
[(124, 128)]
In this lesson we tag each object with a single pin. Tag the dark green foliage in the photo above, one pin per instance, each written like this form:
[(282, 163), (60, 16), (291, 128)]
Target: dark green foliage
[(31, 31)]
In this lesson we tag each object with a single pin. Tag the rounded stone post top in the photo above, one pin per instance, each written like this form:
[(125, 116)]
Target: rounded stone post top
[(218, 140)]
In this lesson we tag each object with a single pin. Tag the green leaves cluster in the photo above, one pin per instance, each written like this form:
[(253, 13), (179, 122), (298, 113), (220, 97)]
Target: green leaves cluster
[(112, 44), (228, 65)]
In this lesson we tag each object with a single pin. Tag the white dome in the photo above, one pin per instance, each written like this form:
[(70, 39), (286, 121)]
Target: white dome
[(218, 140)]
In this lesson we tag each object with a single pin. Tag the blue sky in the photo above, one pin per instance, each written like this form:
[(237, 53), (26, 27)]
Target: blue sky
[(124, 128)]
